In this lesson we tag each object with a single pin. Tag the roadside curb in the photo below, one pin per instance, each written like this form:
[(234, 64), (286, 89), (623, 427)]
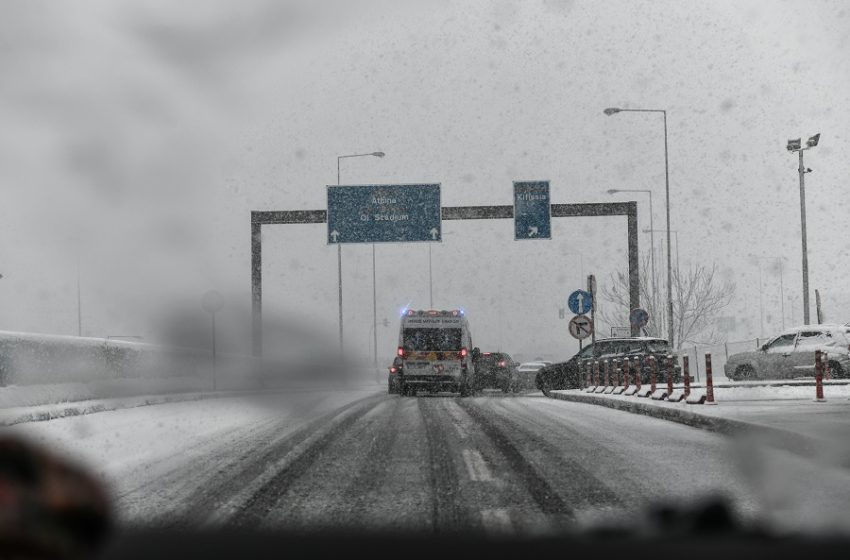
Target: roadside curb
[(783, 439), (43, 413), (59, 410)]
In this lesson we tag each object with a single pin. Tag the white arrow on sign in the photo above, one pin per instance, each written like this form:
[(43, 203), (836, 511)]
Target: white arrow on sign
[(532, 231), (580, 298), (434, 233), (334, 235)]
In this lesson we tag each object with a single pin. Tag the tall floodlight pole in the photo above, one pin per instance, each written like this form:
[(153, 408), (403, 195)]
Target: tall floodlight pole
[(651, 236), (613, 111), (374, 277), (796, 146)]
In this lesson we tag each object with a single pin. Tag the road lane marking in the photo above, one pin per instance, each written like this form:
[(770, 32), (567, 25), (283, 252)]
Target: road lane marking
[(476, 467), (497, 520)]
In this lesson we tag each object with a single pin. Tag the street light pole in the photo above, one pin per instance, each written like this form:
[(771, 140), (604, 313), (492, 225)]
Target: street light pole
[(613, 111), (796, 146), (374, 278)]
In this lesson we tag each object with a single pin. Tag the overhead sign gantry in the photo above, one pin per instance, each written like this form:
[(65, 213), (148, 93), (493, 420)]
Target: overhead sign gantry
[(261, 218)]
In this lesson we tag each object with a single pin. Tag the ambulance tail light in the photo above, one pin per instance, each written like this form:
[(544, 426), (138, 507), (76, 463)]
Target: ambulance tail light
[(502, 363), (463, 353)]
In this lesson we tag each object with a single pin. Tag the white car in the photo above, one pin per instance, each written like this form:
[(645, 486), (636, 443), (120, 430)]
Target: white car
[(792, 354)]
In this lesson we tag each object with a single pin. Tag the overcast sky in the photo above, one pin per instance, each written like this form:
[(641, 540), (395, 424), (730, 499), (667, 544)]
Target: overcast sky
[(145, 132)]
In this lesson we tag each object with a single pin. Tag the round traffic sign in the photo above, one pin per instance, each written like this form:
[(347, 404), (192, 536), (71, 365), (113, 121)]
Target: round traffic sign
[(212, 301), (580, 302), (639, 317), (581, 326)]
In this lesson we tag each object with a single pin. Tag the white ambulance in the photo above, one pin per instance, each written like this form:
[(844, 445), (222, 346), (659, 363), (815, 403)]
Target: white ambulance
[(435, 348)]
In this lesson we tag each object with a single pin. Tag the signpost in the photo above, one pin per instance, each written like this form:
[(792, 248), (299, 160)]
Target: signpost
[(532, 211), (383, 213), (581, 327), (591, 287)]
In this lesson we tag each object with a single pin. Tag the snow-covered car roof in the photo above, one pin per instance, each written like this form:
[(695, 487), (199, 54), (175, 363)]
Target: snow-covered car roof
[(822, 327), (646, 338), (529, 365)]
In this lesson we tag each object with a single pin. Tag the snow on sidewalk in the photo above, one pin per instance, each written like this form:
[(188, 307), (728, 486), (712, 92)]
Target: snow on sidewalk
[(769, 411)]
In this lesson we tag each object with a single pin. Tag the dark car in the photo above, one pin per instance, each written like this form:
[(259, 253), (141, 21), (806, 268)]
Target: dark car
[(571, 374), (495, 370), (393, 381)]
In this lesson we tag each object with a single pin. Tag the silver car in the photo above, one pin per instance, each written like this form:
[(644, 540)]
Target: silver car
[(792, 354)]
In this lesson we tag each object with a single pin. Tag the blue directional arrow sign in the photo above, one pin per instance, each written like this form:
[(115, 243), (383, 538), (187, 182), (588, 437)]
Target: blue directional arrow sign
[(532, 212), (383, 213), (580, 302)]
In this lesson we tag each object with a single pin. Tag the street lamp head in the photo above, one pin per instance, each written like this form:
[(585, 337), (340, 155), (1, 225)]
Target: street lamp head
[(794, 145), (611, 111), (613, 191), (813, 141), (378, 154)]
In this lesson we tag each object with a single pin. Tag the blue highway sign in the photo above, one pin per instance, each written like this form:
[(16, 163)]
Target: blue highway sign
[(532, 212), (580, 302), (383, 213)]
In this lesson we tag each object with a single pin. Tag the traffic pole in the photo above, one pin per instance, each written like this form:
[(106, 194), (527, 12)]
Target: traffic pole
[(653, 367), (687, 373), (670, 370), (709, 382), (819, 376)]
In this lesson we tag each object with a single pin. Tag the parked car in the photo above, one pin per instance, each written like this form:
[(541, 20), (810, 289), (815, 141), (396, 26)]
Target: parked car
[(570, 374), (792, 354), (495, 370)]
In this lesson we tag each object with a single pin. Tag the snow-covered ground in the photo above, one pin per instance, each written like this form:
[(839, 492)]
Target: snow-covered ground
[(150, 456)]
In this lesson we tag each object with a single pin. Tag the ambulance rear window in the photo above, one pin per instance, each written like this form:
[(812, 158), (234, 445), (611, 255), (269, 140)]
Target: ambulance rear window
[(432, 339)]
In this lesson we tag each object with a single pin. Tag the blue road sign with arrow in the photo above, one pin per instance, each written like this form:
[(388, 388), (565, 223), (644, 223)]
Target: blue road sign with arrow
[(580, 302), (383, 213), (532, 212)]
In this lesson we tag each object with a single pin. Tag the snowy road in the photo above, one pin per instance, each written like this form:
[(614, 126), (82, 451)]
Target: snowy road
[(492, 463)]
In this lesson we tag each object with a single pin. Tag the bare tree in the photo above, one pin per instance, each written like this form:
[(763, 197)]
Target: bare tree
[(698, 296)]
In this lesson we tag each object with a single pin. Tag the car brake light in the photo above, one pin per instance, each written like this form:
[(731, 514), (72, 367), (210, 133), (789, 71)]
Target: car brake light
[(502, 363), (393, 370), (401, 352), (463, 352)]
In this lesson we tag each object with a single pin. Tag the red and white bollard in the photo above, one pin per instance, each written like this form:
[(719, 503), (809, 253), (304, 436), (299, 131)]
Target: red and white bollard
[(588, 379), (819, 376), (626, 374), (617, 370), (709, 382), (636, 369), (653, 374), (670, 370), (596, 373), (686, 371), (606, 374)]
